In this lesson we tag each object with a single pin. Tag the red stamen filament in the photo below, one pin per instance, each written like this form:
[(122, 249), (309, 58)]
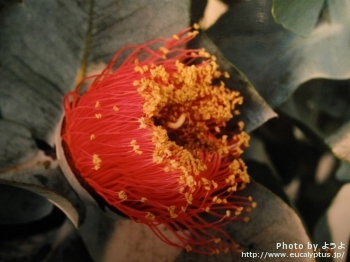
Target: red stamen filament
[(150, 138)]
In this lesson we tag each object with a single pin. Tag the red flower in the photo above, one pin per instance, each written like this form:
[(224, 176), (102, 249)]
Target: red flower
[(149, 137)]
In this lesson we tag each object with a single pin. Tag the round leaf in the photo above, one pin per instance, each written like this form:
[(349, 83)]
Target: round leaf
[(275, 60), (298, 15), (46, 46)]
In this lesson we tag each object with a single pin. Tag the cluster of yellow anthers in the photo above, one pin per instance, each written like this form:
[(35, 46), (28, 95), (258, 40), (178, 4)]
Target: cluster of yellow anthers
[(150, 138)]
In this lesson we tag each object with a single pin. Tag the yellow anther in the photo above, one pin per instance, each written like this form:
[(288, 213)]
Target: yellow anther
[(164, 50), (150, 216), (237, 212), (246, 219), (189, 198), (143, 199), (226, 75), (115, 108), (228, 213), (135, 147), (207, 209), (254, 205), (122, 195), (96, 160), (217, 129), (192, 34), (183, 209), (241, 125), (176, 37), (217, 240), (171, 210), (250, 198), (196, 26), (97, 104), (92, 137), (142, 123), (98, 116), (188, 248), (138, 69), (215, 198), (179, 122)]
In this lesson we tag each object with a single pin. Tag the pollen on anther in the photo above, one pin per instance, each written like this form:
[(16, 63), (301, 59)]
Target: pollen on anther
[(142, 123), (240, 125), (115, 108), (150, 216), (96, 160), (97, 104), (143, 199), (176, 37), (217, 240), (122, 195), (92, 137), (228, 213), (188, 248), (139, 69), (98, 116)]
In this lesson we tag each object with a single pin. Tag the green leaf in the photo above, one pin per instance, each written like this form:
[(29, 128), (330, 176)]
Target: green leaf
[(322, 107), (46, 46), (20, 206), (298, 16), (16, 143), (338, 11), (275, 60), (51, 184), (40, 55)]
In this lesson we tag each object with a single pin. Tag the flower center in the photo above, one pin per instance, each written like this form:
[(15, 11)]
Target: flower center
[(188, 113)]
